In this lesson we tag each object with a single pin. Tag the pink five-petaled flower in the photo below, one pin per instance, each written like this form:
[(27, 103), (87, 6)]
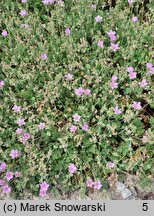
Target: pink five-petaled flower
[(23, 13), (2, 166), (100, 44), (16, 108), (93, 6), (130, 69), (17, 174), (44, 186), (110, 165), (19, 131), (6, 189), (89, 183), (112, 35), (116, 110), (26, 136), (114, 78), (131, 1), (98, 18), (42, 193), (72, 168), (114, 47), (1, 83), (73, 128), (9, 176), (136, 105), (44, 56), (149, 65), (87, 91), (2, 182), (134, 19), (132, 75), (4, 33), (68, 76), (97, 185), (76, 117), (41, 126), (79, 91), (143, 83), (67, 32), (14, 153), (85, 127), (21, 122), (113, 85)]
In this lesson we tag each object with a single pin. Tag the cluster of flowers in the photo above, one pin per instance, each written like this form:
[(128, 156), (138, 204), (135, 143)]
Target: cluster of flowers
[(43, 189), (8, 176), (80, 91), (77, 118)]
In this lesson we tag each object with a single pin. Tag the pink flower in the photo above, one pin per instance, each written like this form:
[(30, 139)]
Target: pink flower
[(73, 129), (113, 85), (16, 108), (67, 32), (113, 38), (148, 65), (6, 189), (4, 33), (72, 168), (130, 69), (17, 174), (2, 182), (2, 166), (114, 78), (76, 117), (89, 183), (132, 75), (1, 83), (14, 153), (23, 140), (143, 83), (98, 18), (134, 19), (9, 176), (151, 71), (97, 185), (79, 91), (85, 127), (51, 1), (42, 193), (41, 126), (44, 56), (23, 1), (19, 131), (100, 44), (114, 47), (110, 165), (131, 1), (68, 76), (23, 13), (44, 186), (111, 33), (21, 122), (117, 111), (93, 6), (144, 139), (26, 136), (136, 105), (87, 91), (45, 2)]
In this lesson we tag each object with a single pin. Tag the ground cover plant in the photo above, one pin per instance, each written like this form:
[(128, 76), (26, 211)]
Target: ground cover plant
[(77, 95)]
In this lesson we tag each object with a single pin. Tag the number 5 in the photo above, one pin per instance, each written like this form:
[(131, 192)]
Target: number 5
[(145, 207)]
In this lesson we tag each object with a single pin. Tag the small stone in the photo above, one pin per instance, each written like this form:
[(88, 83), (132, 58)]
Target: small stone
[(126, 193), (120, 187)]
